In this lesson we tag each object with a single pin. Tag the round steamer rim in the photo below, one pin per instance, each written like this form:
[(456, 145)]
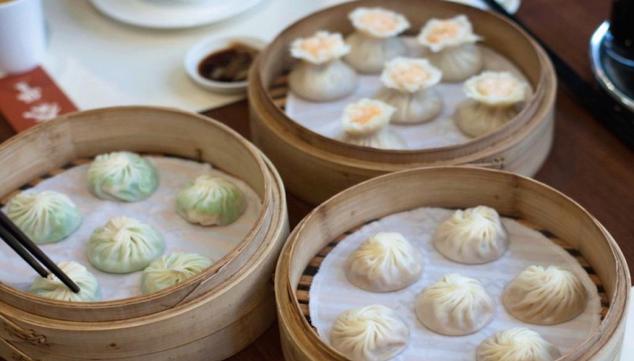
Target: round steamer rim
[(43, 305), (327, 148), (298, 331)]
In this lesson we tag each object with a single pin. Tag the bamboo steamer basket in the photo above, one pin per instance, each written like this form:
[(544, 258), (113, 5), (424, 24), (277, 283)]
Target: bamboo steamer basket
[(209, 317), (528, 201), (315, 167)]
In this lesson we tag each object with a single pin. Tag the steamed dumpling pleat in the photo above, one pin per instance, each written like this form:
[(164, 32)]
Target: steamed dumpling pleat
[(366, 123), (321, 75), (408, 87), (172, 269), (122, 176), (493, 101), (211, 200), (370, 333), (45, 217), (51, 287), (375, 40), (517, 344), (383, 263), (452, 47)]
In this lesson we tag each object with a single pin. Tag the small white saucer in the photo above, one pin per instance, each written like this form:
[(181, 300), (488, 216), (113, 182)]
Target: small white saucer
[(202, 49), (172, 14)]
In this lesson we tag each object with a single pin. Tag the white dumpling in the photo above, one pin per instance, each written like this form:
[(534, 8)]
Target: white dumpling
[(371, 333), (455, 306), (452, 47), (366, 123), (408, 87), (545, 296), (51, 287), (375, 40), (383, 263), (45, 217), (172, 269), (211, 200), (124, 245), (122, 176), (473, 236), (321, 75), (493, 101), (517, 344)]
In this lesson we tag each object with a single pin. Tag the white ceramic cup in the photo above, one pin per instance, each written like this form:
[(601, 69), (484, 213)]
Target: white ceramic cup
[(22, 35)]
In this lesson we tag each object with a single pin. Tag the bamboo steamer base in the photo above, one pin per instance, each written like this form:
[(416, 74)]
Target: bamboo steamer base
[(209, 323), (315, 167), (530, 202)]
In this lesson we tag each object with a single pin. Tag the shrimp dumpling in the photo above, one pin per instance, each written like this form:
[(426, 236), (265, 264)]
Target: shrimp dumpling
[(366, 123), (370, 333), (452, 48), (545, 296), (455, 306), (473, 236), (408, 87), (124, 245), (172, 269), (321, 75), (517, 344), (375, 40), (122, 176), (494, 99), (210, 200), (45, 217), (383, 263), (51, 287)]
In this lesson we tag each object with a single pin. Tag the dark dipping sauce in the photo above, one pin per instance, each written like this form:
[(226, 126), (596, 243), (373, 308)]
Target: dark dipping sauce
[(228, 65)]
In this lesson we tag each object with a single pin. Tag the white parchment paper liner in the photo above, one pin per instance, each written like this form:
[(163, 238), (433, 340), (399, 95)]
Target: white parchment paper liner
[(331, 293), (158, 210)]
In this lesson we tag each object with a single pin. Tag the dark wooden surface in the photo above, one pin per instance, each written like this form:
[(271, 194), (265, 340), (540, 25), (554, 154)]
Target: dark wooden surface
[(587, 162)]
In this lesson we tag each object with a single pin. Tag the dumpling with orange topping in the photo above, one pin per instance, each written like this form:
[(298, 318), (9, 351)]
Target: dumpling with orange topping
[(365, 123), (453, 48), (494, 99), (375, 40), (321, 75), (408, 87)]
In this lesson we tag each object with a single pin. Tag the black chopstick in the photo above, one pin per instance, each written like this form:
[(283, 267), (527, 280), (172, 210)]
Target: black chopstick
[(25, 248), (600, 104)]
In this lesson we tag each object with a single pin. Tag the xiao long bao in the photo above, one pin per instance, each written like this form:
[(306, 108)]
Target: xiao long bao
[(452, 48), (366, 123), (321, 75), (171, 270), (545, 296), (473, 236), (375, 40), (517, 344), (124, 245), (494, 99), (210, 200), (371, 333), (408, 87), (45, 217), (122, 176), (455, 306), (51, 287), (385, 262)]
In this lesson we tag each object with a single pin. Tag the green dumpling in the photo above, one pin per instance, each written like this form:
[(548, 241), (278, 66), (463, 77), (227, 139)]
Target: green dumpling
[(211, 200), (172, 269), (51, 287), (123, 176), (45, 217), (124, 245)]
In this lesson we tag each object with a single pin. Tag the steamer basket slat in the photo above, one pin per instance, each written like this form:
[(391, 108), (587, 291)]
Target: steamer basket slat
[(315, 167), (545, 209), (197, 320)]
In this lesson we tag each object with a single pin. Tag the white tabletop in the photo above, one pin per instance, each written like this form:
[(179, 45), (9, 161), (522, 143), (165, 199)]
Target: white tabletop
[(100, 62)]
